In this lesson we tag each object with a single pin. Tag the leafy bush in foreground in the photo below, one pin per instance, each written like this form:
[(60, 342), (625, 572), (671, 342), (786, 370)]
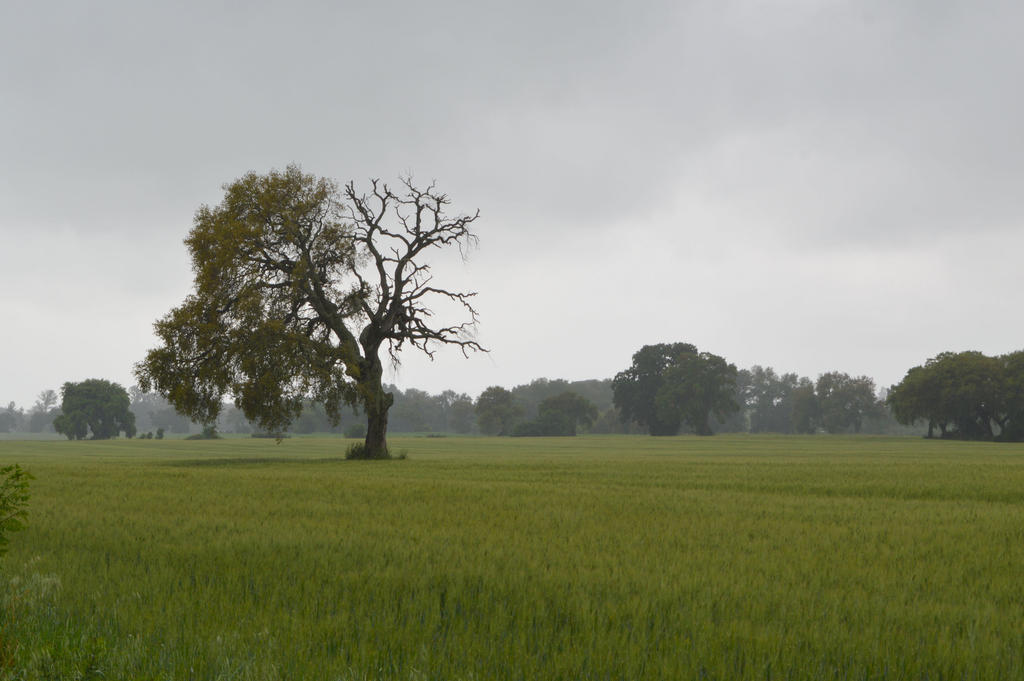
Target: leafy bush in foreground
[(13, 501)]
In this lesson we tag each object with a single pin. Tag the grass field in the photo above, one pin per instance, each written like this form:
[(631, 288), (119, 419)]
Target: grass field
[(574, 558)]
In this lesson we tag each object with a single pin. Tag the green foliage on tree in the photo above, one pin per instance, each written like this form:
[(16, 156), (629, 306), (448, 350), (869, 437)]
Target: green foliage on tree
[(671, 384), (697, 386), (1011, 417), (964, 395), (497, 411), (94, 406), (768, 398), (845, 402), (635, 390), (13, 501), (461, 414), (531, 395), (560, 415), (806, 412), (299, 287)]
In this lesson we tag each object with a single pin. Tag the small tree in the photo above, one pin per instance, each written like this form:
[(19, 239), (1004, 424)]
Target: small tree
[(95, 406), (960, 393), (299, 288)]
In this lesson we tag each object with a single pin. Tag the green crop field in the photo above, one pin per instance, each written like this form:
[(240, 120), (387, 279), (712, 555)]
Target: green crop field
[(575, 558)]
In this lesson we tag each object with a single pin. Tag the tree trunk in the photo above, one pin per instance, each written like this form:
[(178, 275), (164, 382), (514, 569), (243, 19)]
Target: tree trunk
[(376, 404), (376, 432)]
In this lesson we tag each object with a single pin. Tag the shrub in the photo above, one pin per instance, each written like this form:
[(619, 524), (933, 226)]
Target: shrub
[(209, 433), (13, 501), (357, 450)]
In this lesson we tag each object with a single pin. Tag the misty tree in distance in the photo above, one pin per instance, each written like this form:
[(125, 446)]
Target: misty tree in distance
[(497, 411), (559, 415), (299, 287), (845, 402)]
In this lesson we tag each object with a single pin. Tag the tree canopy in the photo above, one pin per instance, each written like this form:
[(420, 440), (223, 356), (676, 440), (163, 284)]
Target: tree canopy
[(964, 395), (671, 384), (94, 406), (768, 398), (299, 287), (844, 401)]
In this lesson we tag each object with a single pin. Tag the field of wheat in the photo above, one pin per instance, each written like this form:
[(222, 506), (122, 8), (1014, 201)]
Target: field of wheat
[(576, 558)]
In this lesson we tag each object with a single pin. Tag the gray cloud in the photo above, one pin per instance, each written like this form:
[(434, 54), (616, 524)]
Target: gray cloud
[(813, 185)]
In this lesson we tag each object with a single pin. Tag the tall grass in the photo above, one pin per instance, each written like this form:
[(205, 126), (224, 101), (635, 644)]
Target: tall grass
[(574, 558)]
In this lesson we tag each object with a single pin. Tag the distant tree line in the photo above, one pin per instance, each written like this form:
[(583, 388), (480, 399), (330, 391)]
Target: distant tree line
[(673, 387), (38, 419), (547, 407), (834, 403), (767, 402), (668, 389)]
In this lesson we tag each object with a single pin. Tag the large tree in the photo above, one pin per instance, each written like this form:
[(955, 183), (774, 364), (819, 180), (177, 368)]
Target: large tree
[(635, 389), (94, 406), (697, 386), (961, 393), (299, 289), (669, 384)]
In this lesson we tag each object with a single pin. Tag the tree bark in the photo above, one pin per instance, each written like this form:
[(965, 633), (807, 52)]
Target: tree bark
[(376, 404)]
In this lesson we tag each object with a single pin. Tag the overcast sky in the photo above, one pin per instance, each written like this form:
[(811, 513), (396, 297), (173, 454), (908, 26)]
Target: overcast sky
[(808, 185)]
